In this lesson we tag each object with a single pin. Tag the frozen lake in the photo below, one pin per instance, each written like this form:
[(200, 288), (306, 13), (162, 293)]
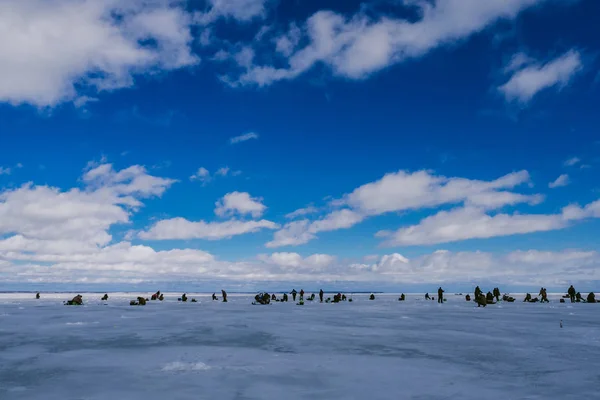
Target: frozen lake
[(382, 349)]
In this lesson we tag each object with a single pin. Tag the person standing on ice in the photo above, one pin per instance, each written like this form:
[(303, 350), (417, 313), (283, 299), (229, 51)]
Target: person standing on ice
[(302, 294), (440, 295), (224, 294), (321, 295), (572, 293), (293, 293), (477, 292), (37, 296)]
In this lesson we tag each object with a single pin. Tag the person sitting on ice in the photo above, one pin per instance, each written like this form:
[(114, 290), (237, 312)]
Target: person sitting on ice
[(372, 297), (427, 296), (508, 299), (481, 300), (285, 297), (468, 297), (224, 294), (154, 297), (184, 297), (489, 298), (37, 296), (312, 297), (337, 298), (527, 298), (591, 298), (273, 297), (344, 298), (402, 297), (161, 297), (578, 297), (105, 297), (214, 297), (76, 301), (477, 292)]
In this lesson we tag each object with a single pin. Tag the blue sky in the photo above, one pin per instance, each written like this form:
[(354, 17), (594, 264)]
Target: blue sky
[(424, 143)]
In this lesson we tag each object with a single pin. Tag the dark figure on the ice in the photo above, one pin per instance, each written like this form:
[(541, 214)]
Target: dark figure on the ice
[(578, 297), (37, 296), (402, 297), (527, 298), (273, 297), (321, 293), (497, 294), (508, 299), (468, 297), (427, 296), (440, 295), (224, 294), (194, 301), (544, 296), (591, 298), (285, 297), (293, 293), (337, 298), (76, 301), (572, 293), (477, 292), (302, 294), (140, 302), (214, 297), (161, 297), (481, 300), (184, 297), (154, 297), (372, 297), (105, 297), (489, 297)]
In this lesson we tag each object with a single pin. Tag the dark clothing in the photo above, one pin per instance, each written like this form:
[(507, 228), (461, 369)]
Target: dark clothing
[(591, 298), (572, 293), (224, 294), (293, 293), (321, 295), (440, 295), (214, 297)]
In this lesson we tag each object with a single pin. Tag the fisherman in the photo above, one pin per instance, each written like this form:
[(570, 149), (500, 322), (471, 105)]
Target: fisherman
[(402, 297), (481, 300), (468, 298), (161, 297), (477, 292), (489, 298), (344, 297), (321, 293), (293, 293), (337, 298), (527, 298), (572, 293), (273, 297), (105, 297), (224, 294), (372, 297), (37, 296), (312, 297), (578, 297), (285, 297), (591, 298), (154, 297), (508, 299), (427, 296), (497, 294), (141, 301), (301, 294), (76, 301), (440, 295), (184, 297), (544, 295), (214, 297)]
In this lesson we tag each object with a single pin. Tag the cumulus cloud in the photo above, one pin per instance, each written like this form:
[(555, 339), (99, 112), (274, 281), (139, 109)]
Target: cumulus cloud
[(296, 261), (530, 78), (5, 171), (181, 228), (474, 223), (243, 138), (69, 50), (356, 46), (302, 212), (403, 191), (241, 204), (202, 175), (239, 10), (562, 180)]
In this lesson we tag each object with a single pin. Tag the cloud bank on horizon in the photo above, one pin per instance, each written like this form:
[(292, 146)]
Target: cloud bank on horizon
[(336, 205)]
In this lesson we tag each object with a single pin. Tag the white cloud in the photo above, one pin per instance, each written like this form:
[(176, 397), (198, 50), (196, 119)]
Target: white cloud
[(358, 46), (572, 161), (65, 50), (526, 82), (239, 203), (222, 171), (5, 171), (403, 191), (240, 10), (181, 228), (302, 212), (474, 223), (202, 175), (243, 138), (296, 261), (562, 180)]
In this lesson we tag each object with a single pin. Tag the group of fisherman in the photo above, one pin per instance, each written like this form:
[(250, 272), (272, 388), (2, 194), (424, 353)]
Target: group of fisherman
[(263, 298)]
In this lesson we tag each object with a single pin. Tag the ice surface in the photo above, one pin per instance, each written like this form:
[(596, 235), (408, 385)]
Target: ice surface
[(382, 349)]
